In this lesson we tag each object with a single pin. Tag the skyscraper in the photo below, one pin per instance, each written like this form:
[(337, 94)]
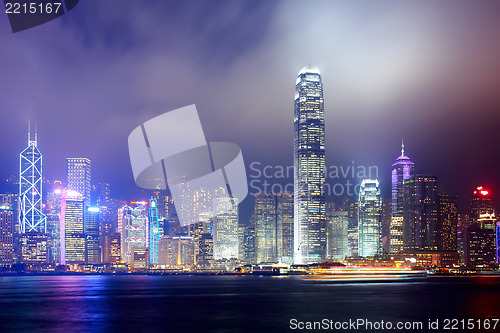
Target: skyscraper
[(154, 232), (309, 168), (92, 249), (31, 217), (79, 177), (133, 226), (480, 234), (369, 219), (225, 229), (73, 229), (337, 224), (448, 224), (402, 170), (7, 216), (420, 215), (265, 228), (285, 228)]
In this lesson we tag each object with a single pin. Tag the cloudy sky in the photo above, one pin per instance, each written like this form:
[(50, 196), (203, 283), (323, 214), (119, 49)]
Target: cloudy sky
[(428, 71)]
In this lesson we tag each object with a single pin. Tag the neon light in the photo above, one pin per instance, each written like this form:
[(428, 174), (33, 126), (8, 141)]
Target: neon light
[(484, 192), (58, 191), (93, 209)]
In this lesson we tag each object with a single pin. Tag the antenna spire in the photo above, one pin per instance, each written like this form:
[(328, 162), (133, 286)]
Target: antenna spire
[(402, 147), (29, 131), (36, 132)]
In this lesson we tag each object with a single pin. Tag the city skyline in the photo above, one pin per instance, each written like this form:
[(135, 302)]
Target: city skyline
[(411, 74)]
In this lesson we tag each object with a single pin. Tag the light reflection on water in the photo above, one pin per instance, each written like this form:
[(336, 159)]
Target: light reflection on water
[(230, 303)]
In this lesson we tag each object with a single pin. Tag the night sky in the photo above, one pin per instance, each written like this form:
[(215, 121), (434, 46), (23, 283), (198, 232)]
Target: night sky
[(425, 71)]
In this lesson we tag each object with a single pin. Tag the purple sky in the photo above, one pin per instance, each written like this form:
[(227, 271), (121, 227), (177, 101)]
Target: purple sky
[(426, 71)]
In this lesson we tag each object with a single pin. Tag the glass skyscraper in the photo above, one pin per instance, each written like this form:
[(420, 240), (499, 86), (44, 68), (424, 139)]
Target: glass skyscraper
[(369, 219), (79, 177), (402, 170), (309, 168), (74, 229)]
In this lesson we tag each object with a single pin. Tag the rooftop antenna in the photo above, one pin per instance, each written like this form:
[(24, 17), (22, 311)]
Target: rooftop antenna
[(402, 147), (36, 132), (29, 131)]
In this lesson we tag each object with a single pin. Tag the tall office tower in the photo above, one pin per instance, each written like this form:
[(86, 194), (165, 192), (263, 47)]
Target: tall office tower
[(225, 229), (249, 242), (285, 228), (336, 231), (7, 218), (101, 197), (205, 256), (265, 228), (92, 249), (447, 223), (352, 228), (154, 232), (309, 168), (420, 215), (134, 228), (31, 217), (53, 214), (369, 219), (402, 170), (480, 235), (79, 177), (73, 228)]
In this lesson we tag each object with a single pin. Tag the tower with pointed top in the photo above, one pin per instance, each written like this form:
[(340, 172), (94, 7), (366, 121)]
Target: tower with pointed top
[(309, 168), (402, 170), (31, 217)]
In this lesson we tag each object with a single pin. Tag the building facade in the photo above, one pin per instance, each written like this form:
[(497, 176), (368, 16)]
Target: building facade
[(79, 177), (402, 170), (309, 168), (369, 219)]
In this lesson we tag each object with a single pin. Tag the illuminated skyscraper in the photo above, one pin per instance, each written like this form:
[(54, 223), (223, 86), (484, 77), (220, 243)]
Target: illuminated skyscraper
[(31, 217), (265, 228), (225, 229), (53, 213), (92, 249), (285, 228), (73, 229), (79, 177), (337, 224), (402, 170), (7, 218), (154, 232), (133, 224), (420, 215), (309, 168), (369, 219), (480, 234)]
